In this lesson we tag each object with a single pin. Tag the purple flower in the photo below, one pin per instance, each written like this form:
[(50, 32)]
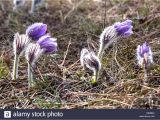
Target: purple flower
[(143, 49), (124, 28), (144, 54), (36, 30), (113, 33), (48, 44)]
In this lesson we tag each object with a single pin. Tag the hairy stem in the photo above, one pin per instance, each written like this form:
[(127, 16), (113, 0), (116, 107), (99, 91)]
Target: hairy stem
[(145, 75), (100, 53), (30, 76), (15, 67), (95, 77)]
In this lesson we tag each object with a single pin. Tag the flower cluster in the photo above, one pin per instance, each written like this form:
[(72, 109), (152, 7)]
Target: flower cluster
[(38, 33), (108, 36), (45, 44)]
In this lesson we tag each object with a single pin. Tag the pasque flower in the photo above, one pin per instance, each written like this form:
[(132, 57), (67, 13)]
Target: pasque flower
[(144, 58), (124, 29), (48, 44), (91, 61), (33, 52), (19, 45), (144, 55), (113, 33), (36, 30)]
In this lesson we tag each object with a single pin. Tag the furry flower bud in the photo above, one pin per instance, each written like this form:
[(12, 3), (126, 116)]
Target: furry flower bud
[(20, 43), (90, 60), (114, 32), (144, 55), (33, 52)]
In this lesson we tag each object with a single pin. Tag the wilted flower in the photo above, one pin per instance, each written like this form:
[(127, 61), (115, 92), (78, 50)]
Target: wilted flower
[(144, 55), (19, 45), (33, 52), (48, 44), (18, 3), (91, 61), (36, 30), (113, 33)]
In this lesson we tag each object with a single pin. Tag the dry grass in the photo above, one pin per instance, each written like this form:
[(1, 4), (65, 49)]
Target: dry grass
[(61, 83)]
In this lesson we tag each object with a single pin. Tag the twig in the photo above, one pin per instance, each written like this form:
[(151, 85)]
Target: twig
[(99, 100), (71, 66), (74, 7), (40, 74), (66, 53), (105, 13), (115, 58)]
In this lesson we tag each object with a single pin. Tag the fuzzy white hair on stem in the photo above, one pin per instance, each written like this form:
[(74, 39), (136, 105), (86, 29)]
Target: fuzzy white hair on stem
[(139, 58), (20, 43), (33, 52), (150, 56), (107, 37)]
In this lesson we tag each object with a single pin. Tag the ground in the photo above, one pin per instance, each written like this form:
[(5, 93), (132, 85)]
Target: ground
[(77, 24)]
